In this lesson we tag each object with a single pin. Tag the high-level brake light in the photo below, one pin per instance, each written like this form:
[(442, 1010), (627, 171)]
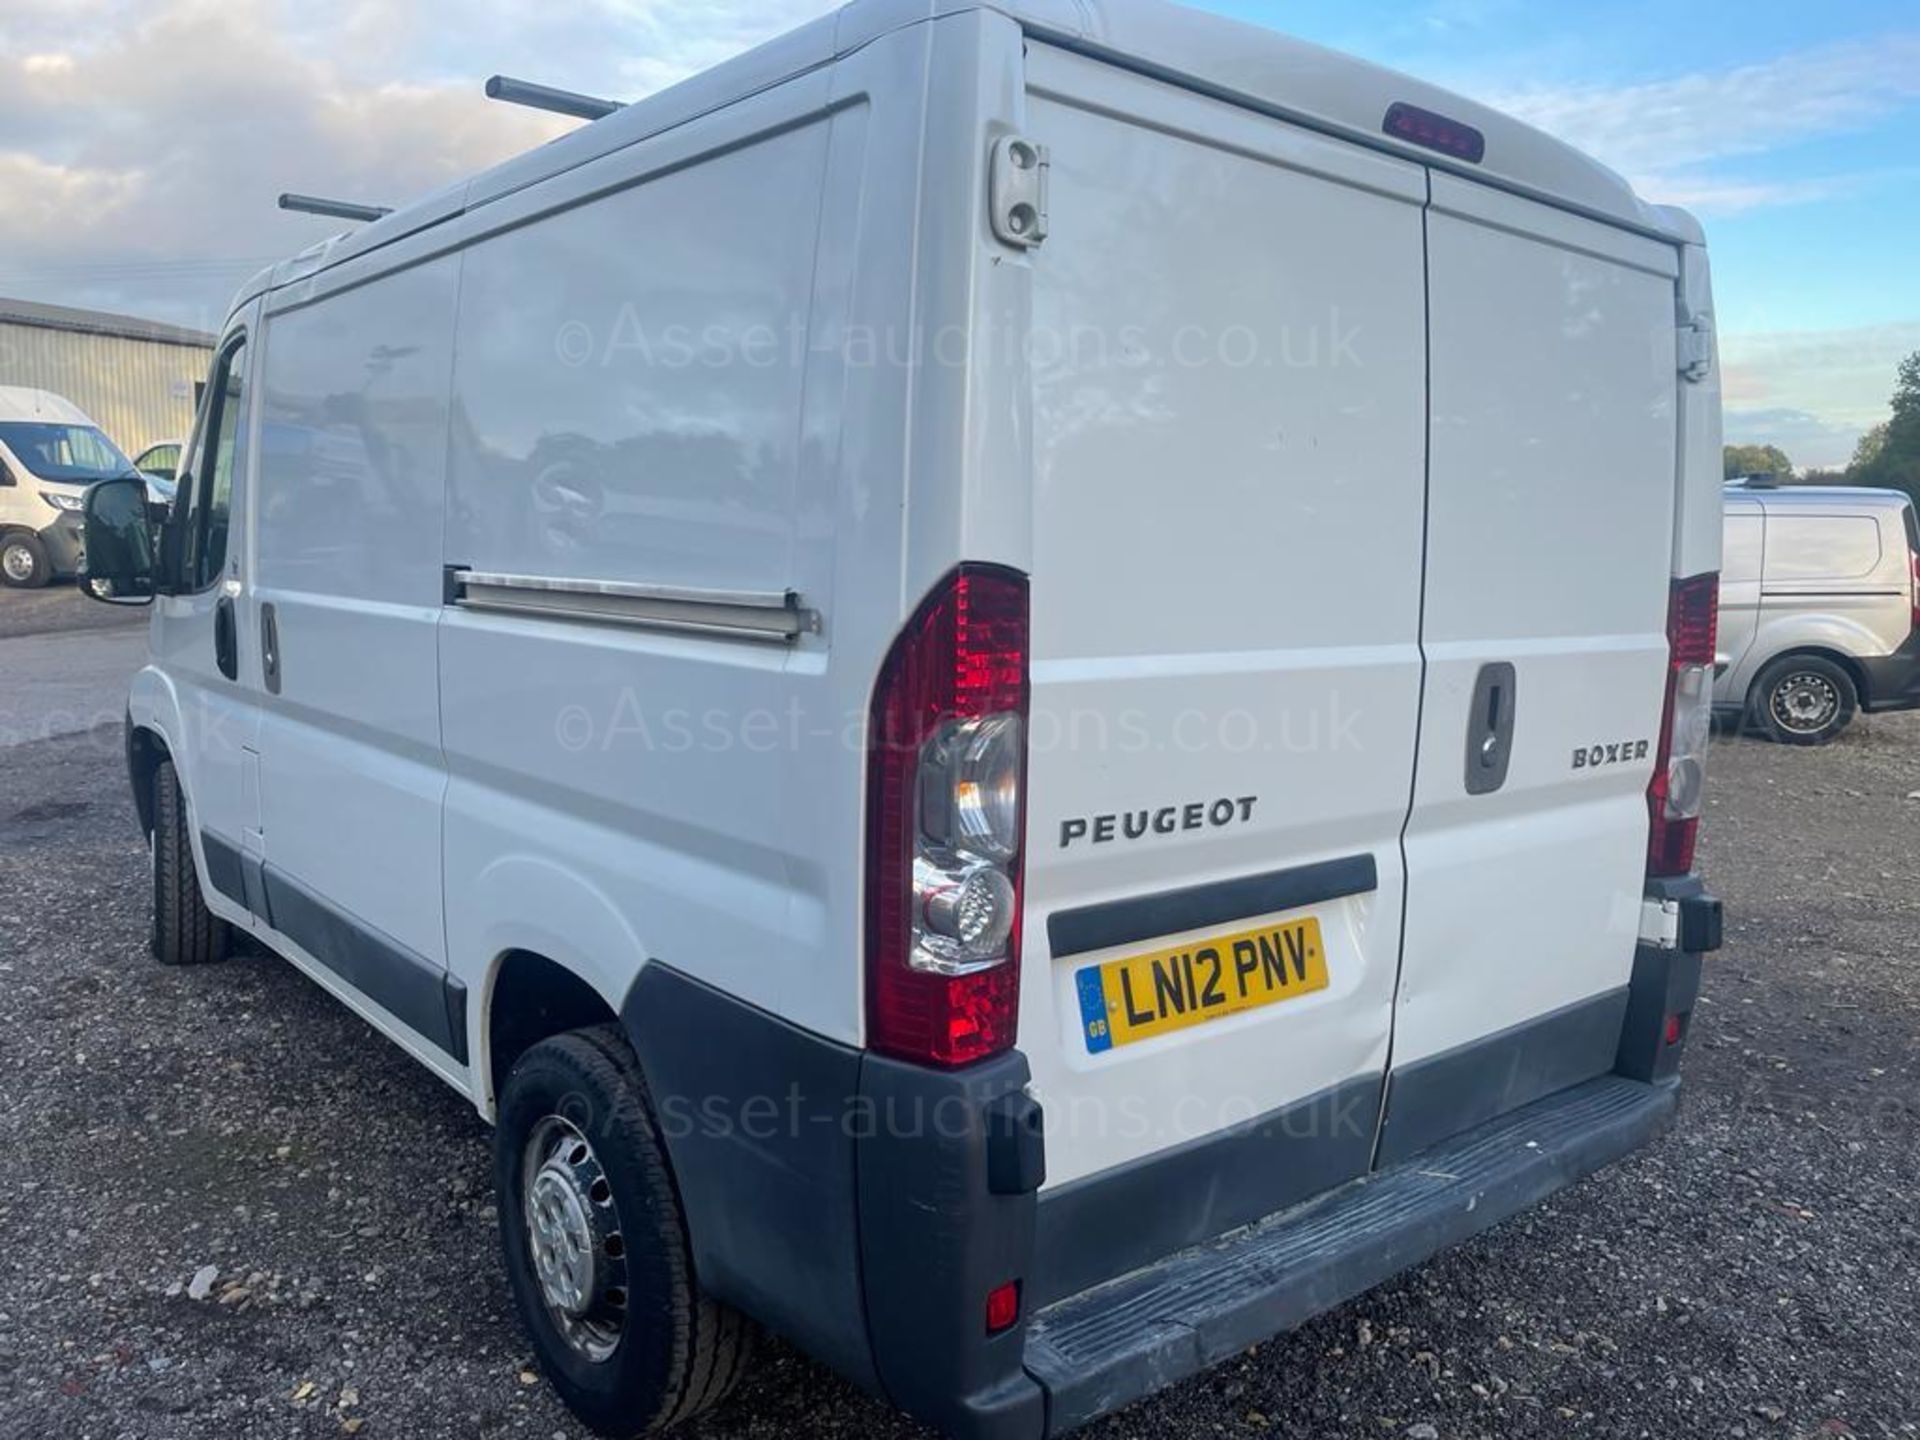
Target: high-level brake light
[(946, 824), (1435, 132)]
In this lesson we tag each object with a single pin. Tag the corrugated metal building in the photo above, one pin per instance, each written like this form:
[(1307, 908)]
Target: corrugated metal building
[(138, 379)]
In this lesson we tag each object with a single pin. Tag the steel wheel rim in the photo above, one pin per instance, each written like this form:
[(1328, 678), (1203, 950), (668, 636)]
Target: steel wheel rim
[(574, 1243), (17, 561), (1804, 702)]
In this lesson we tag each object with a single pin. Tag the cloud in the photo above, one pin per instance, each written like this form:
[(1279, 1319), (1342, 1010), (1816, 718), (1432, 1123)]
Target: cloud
[(1810, 442), (1672, 136), (665, 48), (143, 142), (1812, 392)]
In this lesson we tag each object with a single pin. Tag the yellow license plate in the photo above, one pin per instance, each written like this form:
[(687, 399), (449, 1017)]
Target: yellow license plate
[(1140, 996)]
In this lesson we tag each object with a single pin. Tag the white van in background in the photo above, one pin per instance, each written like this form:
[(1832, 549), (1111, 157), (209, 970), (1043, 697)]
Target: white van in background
[(938, 668), (1819, 608), (50, 452)]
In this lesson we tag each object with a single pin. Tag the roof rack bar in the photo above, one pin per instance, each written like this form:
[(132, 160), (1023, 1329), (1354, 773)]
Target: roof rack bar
[(545, 97), (338, 209)]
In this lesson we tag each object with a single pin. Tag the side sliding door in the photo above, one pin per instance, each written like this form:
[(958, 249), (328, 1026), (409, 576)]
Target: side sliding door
[(350, 502)]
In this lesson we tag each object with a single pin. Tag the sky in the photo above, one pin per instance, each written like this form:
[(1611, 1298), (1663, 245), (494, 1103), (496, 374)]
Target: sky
[(143, 142)]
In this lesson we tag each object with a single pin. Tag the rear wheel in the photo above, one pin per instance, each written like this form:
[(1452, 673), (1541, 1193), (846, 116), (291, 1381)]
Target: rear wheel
[(1804, 700), (596, 1245), (24, 562), (185, 932)]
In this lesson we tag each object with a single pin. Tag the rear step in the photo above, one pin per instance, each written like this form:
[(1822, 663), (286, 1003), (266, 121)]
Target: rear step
[(1113, 1344)]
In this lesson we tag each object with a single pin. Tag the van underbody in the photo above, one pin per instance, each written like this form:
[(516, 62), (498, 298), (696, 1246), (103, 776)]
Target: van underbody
[(1262, 856)]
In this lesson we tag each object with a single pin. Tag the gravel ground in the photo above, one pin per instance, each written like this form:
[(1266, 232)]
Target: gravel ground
[(1751, 1275)]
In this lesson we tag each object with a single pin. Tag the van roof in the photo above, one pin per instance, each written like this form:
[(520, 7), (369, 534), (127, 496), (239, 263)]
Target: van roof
[(19, 402), (1242, 63), (1821, 496)]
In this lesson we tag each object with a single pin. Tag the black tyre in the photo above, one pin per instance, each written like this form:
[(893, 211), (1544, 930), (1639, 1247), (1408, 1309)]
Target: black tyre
[(1803, 700), (24, 562), (596, 1244), (185, 932)]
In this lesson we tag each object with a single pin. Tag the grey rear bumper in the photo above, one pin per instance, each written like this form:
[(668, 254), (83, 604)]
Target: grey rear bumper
[(1095, 1352)]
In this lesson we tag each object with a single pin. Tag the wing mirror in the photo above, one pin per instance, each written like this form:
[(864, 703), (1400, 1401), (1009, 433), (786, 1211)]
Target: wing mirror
[(118, 569)]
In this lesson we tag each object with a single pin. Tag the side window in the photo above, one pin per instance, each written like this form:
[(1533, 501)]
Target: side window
[(206, 491), (1821, 547)]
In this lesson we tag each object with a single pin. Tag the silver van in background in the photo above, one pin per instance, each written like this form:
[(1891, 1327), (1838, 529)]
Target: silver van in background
[(1819, 608)]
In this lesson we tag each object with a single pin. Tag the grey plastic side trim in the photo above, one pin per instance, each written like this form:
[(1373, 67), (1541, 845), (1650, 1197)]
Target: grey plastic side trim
[(224, 871), (412, 988)]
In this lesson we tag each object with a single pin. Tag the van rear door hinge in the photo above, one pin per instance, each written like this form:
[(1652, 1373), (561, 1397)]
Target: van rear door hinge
[(1695, 347), (1017, 191)]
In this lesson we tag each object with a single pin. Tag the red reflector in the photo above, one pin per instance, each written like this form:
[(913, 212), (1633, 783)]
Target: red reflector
[(1003, 1307), (1675, 1024), (962, 656), (1435, 132)]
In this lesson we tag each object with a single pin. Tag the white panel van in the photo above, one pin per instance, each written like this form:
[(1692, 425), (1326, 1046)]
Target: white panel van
[(945, 670), (50, 452)]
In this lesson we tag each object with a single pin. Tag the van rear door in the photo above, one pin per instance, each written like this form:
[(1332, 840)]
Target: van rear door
[(1550, 515), (1229, 399)]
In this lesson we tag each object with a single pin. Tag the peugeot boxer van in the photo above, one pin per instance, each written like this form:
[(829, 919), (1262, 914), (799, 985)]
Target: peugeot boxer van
[(1820, 608), (939, 669), (50, 452)]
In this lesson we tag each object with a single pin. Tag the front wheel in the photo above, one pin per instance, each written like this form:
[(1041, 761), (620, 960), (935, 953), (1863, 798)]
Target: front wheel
[(1804, 700), (185, 932), (24, 562), (596, 1245)]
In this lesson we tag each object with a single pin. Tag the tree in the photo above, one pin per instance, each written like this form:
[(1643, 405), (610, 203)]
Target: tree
[(1738, 460), (1869, 448), (1889, 454)]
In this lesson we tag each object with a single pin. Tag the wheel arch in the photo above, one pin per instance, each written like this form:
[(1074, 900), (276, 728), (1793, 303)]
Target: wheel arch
[(146, 752), (1849, 663), (530, 997), (1804, 632)]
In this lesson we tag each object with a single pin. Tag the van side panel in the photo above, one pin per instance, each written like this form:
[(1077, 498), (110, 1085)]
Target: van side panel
[(349, 499), (1550, 526), (627, 399)]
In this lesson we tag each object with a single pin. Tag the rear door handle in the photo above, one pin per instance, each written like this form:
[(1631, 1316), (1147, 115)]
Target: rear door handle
[(226, 639), (1490, 728), (270, 647)]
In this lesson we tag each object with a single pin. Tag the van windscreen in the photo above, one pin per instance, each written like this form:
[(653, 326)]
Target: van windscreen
[(69, 454)]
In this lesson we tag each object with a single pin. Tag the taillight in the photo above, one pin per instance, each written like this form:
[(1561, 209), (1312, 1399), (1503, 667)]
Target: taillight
[(1675, 794), (1913, 558), (946, 824)]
